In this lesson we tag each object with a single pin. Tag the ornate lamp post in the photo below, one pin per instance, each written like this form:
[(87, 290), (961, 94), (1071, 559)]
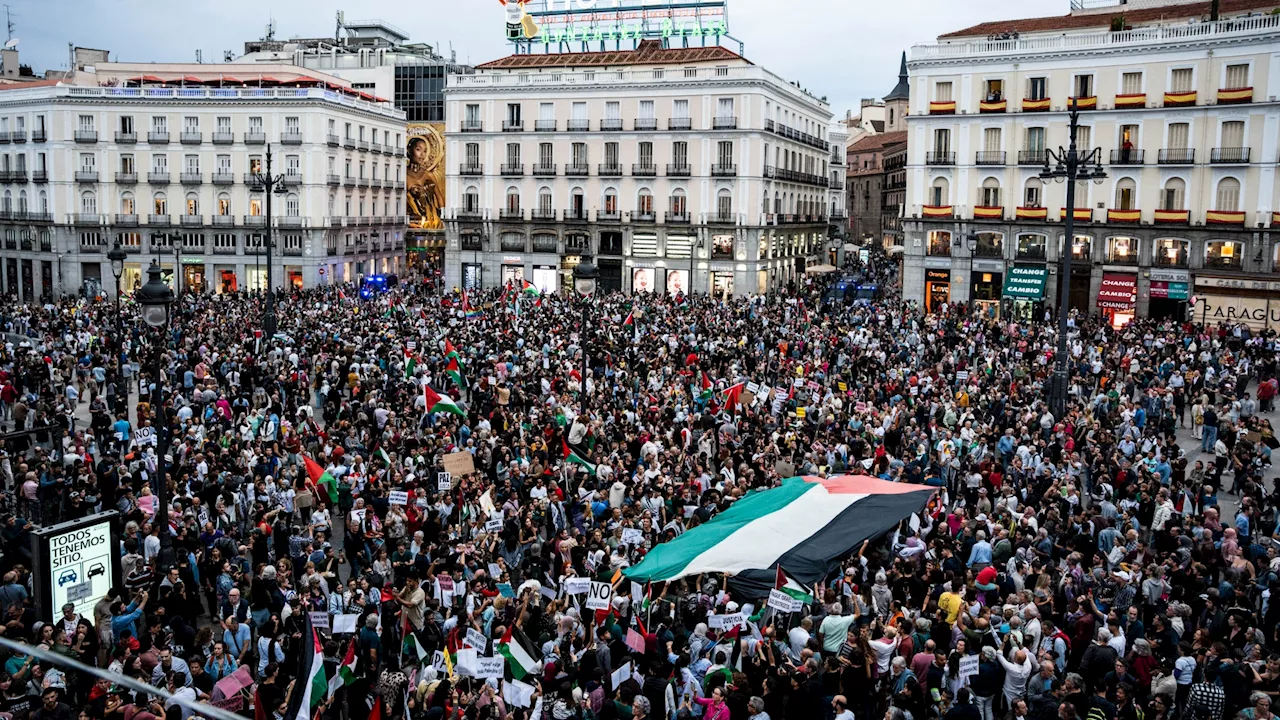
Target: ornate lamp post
[(117, 256), (585, 279), (156, 298)]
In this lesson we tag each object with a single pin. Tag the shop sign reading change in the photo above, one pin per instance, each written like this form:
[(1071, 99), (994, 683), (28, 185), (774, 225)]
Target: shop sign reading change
[(80, 566)]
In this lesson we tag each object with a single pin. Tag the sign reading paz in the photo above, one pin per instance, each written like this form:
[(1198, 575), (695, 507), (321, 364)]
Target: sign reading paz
[(444, 481)]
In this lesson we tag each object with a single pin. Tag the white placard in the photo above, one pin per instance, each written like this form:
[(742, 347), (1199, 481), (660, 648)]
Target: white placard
[(620, 675), (637, 593), (444, 481), (753, 388), (732, 620), (577, 586), (466, 664), (437, 659), (398, 497), (319, 619), (599, 595), (715, 622), (476, 639), (632, 536), (489, 667), (345, 623), (782, 602), (493, 526), (968, 666), (962, 375)]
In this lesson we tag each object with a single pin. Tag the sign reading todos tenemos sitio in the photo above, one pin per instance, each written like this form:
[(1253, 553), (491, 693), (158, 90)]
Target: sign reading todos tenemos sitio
[(75, 562)]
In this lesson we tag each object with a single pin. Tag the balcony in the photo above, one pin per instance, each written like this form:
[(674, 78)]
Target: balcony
[(1177, 156), (646, 124), (362, 182), (989, 157), (349, 181), (724, 170), (676, 218), (158, 137), (679, 124), (330, 179), (1124, 217), (644, 170), (349, 142), (542, 214), (224, 177), (513, 170), (1235, 96), (291, 222), (158, 220), (224, 221), (296, 250), (1131, 156), (681, 170), (192, 221), (570, 215), (608, 216), (644, 216), (725, 123), (993, 106), (467, 126), (291, 179), (254, 221), (362, 145), (611, 125), (721, 218), (18, 136), (512, 126), (332, 140), (1229, 156), (39, 176), (1032, 157), (1121, 255), (223, 137), (609, 170), (578, 125), (190, 138), (291, 137), (126, 138), (938, 157), (86, 176), (574, 170), (544, 170), (86, 136), (1083, 102), (475, 243), (40, 217), (470, 170), (39, 135), (126, 220), (545, 125), (127, 178), (191, 178), (942, 107), (511, 215), (255, 137)]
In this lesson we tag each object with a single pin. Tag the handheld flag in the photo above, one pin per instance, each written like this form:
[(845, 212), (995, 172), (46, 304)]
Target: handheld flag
[(530, 289), (571, 456), (440, 403), (346, 671), (321, 478), (311, 686), (455, 373)]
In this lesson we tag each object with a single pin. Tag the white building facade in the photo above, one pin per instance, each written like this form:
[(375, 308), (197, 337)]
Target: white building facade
[(162, 159), (674, 170), (1184, 111)]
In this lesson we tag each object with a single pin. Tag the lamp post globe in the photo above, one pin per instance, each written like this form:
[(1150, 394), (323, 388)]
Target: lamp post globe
[(117, 256), (155, 297), (585, 277)]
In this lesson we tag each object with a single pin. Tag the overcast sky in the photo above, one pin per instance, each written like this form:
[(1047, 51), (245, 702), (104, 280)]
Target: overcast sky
[(844, 50)]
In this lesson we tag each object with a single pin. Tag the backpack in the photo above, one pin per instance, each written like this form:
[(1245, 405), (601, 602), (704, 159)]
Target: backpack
[(1058, 634)]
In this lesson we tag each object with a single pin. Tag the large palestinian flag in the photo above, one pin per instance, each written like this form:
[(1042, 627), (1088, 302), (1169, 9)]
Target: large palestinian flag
[(807, 526)]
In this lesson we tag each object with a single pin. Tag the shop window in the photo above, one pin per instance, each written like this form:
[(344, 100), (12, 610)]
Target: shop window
[(1031, 246), (1122, 250), (1170, 252), (1224, 255), (939, 243), (722, 247), (990, 244)]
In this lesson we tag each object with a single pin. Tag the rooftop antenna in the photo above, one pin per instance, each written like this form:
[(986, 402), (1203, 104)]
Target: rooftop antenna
[(228, 56), (199, 56), (271, 30), (8, 21), (341, 23)]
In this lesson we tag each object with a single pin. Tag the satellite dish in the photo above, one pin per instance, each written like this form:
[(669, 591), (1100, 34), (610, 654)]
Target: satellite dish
[(11, 45)]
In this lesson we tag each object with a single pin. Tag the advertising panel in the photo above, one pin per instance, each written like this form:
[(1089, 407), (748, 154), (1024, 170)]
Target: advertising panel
[(424, 177), (642, 280), (556, 21), (677, 282), (1257, 313), (75, 562)]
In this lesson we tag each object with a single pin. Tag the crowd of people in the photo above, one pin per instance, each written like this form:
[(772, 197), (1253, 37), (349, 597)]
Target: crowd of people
[(1085, 567)]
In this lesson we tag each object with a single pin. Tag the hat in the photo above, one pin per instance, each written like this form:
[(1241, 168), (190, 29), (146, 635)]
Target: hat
[(1121, 575)]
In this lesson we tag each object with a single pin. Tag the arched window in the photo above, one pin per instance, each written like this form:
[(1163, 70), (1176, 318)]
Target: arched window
[(1123, 250), (44, 202), (644, 203), (724, 205), (224, 204), (544, 200), (1224, 254), (292, 207), (8, 202), (160, 204), (1033, 193), (22, 201), (989, 196), (1126, 194), (193, 204), (940, 192), (88, 203), (1228, 196), (679, 207), (127, 205), (990, 244), (1032, 246), (1172, 197), (512, 208), (577, 205)]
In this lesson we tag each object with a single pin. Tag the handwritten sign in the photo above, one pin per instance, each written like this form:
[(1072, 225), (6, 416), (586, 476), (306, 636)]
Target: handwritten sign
[(476, 639), (444, 481), (733, 620), (599, 596), (577, 586), (459, 463), (800, 412), (842, 386), (489, 667), (319, 619), (968, 666), (493, 526), (632, 536), (398, 497), (783, 602)]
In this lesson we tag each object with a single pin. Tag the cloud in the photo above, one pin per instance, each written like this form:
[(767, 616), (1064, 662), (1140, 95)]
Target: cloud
[(843, 50)]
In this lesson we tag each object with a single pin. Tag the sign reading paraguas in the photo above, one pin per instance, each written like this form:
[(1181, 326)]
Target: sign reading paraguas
[(1025, 282), (75, 562)]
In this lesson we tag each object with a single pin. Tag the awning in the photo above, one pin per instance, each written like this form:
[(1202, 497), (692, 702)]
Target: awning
[(268, 79), (1025, 282), (145, 78), (820, 269), (895, 250), (225, 79), (192, 79), (1119, 291)]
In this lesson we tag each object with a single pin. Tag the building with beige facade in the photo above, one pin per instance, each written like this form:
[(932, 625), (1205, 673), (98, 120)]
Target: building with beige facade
[(673, 169), (162, 158), (1183, 110)]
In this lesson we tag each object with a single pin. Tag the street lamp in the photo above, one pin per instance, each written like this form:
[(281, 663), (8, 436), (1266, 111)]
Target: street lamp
[(1070, 166), (117, 256), (585, 278), (270, 184), (155, 299)]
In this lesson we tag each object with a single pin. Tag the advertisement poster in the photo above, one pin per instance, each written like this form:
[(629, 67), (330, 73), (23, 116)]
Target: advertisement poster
[(642, 280), (74, 564), (677, 282), (424, 177)]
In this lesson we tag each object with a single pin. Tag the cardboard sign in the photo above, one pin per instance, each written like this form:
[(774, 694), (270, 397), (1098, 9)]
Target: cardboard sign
[(489, 667), (398, 497), (782, 602), (444, 481), (476, 639), (231, 704), (815, 387), (345, 623), (599, 595), (459, 463), (577, 586), (493, 526), (747, 398), (632, 536), (968, 666), (962, 375), (800, 412), (842, 386), (319, 619)]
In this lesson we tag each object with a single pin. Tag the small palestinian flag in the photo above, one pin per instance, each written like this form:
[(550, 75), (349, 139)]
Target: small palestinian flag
[(440, 403), (410, 364), (346, 674), (792, 587), (341, 295), (707, 392), (630, 321), (321, 478), (530, 289), (455, 373), (732, 394), (573, 457), (519, 659), (384, 457), (449, 350)]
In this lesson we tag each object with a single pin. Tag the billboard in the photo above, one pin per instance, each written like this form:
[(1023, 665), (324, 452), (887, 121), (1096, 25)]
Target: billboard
[(75, 562), (556, 21), (424, 178)]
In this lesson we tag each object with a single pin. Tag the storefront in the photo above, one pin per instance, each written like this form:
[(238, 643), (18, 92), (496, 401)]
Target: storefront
[(512, 272), (1024, 291), (937, 289), (1118, 298), (193, 275), (226, 278), (610, 273), (722, 283), (472, 276), (293, 273), (425, 249), (255, 277), (546, 279), (1170, 292), (1254, 303), (986, 287)]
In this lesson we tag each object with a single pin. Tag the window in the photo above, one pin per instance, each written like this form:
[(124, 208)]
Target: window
[(193, 204), (1122, 249), (646, 154), (545, 156), (224, 205), (89, 203), (1035, 139), (942, 91), (610, 202), (724, 107), (191, 164), (611, 154), (159, 124), (940, 192), (513, 154), (680, 109), (544, 200), (1237, 77), (939, 243), (1032, 246), (547, 111), (1170, 252), (513, 201), (644, 203), (1037, 88), (1178, 135), (1031, 194), (724, 209), (724, 152), (646, 110), (990, 193), (1084, 138), (991, 139), (513, 114), (293, 166), (1126, 194), (126, 164), (579, 111), (680, 153), (1083, 86), (1131, 83), (612, 109), (127, 206), (579, 155), (224, 164), (85, 123), (88, 162), (292, 208), (995, 90), (126, 124), (941, 140), (1224, 254), (1228, 197), (255, 124), (1233, 134), (1180, 80), (473, 155), (471, 201), (472, 116), (293, 127), (160, 203), (191, 124), (678, 206), (1171, 197)]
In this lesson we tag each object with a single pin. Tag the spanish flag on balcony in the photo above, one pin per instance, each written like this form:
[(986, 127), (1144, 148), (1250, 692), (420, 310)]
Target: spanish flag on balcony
[(1084, 103), (1275, 219), (982, 212), (1179, 99), (1035, 105), (1032, 213), (1081, 214), (1173, 216), (1124, 216), (1135, 100), (936, 211), (1224, 217), (993, 107), (1239, 95), (947, 107)]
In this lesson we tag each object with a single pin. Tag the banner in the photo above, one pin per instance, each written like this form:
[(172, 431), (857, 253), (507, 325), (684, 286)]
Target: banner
[(1257, 313), (424, 176)]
